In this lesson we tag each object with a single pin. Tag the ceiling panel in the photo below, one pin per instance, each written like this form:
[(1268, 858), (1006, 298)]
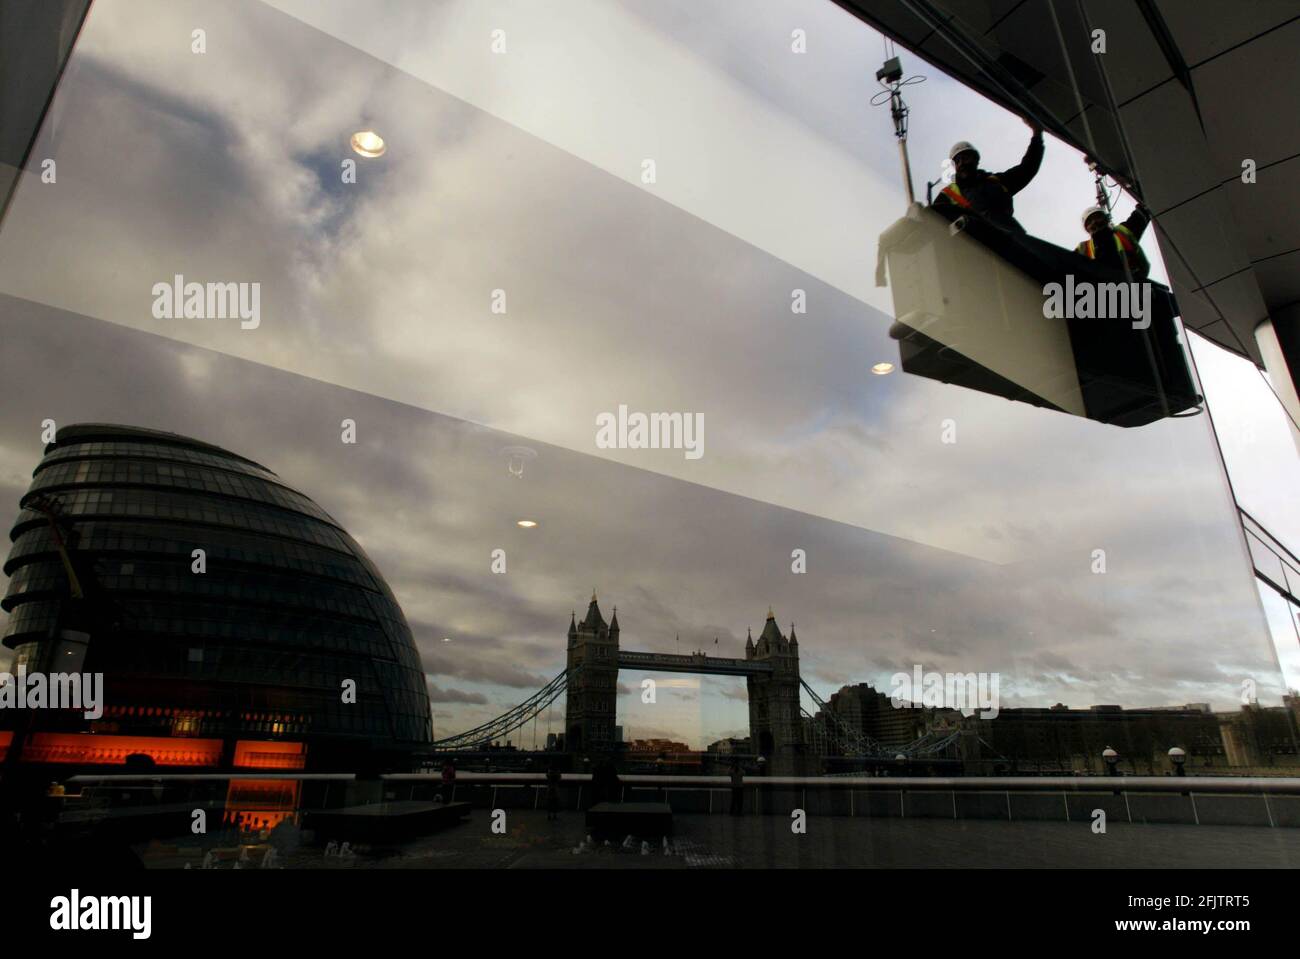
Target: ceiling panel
[(1200, 36), (1031, 34), (1132, 60), (1237, 297), (1267, 212), (976, 15), (1152, 123), (1205, 233), (1100, 135), (1248, 100), (889, 18)]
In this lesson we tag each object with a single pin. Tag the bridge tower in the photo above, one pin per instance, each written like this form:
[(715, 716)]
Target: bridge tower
[(775, 723), (593, 688)]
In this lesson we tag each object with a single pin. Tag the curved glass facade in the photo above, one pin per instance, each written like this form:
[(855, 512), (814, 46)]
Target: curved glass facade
[(258, 646)]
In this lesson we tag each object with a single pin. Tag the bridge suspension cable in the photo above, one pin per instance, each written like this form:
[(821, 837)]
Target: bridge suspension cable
[(856, 745), (508, 722), (849, 741)]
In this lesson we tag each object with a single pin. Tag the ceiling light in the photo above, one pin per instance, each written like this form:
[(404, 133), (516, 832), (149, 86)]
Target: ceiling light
[(516, 458), (368, 143), (526, 523), (880, 369)]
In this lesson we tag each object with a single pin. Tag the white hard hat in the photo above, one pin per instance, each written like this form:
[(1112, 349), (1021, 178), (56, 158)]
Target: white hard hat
[(961, 146), (1088, 213)]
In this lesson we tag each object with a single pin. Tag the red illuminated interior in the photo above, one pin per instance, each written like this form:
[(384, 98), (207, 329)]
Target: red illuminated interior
[(98, 750), (257, 804), (250, 754)]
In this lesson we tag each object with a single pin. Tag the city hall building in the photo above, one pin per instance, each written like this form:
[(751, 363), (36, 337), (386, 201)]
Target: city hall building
[(236, 625)]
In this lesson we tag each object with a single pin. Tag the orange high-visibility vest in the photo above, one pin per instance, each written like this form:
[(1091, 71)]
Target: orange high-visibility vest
[(1125, 242), (953, 192)]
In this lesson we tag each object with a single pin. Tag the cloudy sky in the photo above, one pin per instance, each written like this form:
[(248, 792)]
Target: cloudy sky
[(521, 171)]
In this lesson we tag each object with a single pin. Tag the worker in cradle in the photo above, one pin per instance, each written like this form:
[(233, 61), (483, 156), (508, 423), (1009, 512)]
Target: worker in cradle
[(1116, 246), (973, 190)]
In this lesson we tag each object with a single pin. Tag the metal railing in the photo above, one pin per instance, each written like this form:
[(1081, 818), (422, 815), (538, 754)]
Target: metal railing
[(1190, 800)]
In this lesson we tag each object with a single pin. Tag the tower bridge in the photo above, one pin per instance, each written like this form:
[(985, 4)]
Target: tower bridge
[(694, 663), (770, 668)]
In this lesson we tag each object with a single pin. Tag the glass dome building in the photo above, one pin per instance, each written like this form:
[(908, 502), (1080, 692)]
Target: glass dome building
[(226, 611)]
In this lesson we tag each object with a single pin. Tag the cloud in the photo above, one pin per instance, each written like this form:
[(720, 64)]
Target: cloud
[(439, 695), (708, 564)]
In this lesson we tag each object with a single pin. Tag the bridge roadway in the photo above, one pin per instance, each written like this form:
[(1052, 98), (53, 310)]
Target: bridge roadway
[(692, 663)]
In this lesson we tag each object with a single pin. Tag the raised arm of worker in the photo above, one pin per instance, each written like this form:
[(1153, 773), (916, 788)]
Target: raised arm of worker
[(1018, 177), (1137, 221)]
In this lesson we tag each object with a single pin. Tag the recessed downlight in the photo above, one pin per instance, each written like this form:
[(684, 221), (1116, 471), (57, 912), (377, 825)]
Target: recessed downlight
[(526, 523), (880, 369), (368, 143)]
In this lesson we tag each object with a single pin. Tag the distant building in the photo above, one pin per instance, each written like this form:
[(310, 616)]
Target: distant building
[(662, 754), (656, 746), (869, 712), (1259, 737), (731, 747), (1060, 739)]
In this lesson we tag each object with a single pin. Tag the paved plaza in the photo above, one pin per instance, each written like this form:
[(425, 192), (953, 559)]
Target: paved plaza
[(712, 841)]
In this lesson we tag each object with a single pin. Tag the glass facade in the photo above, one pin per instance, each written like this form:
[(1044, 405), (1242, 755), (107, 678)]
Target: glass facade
[(257, 637), (636, 305)]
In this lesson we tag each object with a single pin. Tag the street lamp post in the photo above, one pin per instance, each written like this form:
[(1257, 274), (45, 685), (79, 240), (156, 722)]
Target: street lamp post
[(1111, 758), (1178, 756)]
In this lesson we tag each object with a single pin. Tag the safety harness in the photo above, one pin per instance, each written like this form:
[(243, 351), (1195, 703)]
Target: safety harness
[(1127, 245), (953, 192)]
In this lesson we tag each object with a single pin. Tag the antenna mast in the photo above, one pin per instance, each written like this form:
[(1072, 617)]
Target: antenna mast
[(891, 78)]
